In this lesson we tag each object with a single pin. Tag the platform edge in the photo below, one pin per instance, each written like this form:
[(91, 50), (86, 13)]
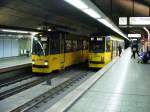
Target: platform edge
[(74, 95)]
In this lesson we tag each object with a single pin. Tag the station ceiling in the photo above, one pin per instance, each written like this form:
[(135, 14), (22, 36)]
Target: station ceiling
[(36, 13)]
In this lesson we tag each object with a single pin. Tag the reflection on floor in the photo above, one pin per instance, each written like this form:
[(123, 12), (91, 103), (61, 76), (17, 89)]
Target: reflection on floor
[(14, 61), (124, 88)]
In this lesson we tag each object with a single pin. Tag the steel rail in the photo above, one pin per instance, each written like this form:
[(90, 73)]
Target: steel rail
[(50, 94), (15, 81), (18, 89)]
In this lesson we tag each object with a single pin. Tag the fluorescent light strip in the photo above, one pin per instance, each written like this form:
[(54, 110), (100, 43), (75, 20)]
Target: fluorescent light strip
[(111, 26), (89, 8), (106, 23), (84, 7), (14, 31), (19, 31), (78, 4), (91, 13)]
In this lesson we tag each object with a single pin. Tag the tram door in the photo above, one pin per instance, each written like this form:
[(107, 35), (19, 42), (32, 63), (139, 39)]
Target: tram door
[(62, 50), (111, 48)]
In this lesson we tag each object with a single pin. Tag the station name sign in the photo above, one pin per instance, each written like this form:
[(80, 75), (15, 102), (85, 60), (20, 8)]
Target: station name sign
[(123, 20), (139, 20), (134, 35), (134, 21)]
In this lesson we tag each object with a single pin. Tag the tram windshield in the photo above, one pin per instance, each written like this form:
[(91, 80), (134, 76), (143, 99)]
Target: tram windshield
[(40, 46), (97, 45)]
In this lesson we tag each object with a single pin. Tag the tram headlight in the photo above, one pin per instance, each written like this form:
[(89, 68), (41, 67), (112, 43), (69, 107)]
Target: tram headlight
[(33, 62), (46, 63)]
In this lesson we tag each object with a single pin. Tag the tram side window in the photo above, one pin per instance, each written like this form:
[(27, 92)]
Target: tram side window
[(45, 47), (85, 44), (55, 46), (80, 46), (75, 46), (68, 45), (114, 46)]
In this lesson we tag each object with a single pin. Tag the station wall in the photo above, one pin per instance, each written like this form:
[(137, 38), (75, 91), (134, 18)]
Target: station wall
[(14, 46), (24, 46)]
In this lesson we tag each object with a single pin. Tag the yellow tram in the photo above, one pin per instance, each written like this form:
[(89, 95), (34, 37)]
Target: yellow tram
[(103, 49), (57, 50)]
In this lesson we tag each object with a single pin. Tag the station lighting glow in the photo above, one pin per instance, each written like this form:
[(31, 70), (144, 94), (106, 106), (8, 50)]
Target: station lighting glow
[(19, 31), (106, 23), (84, 7), (14, 31), (109, 24), (39, 28), (92, 38), (89, 8), (35, 38), (49, 29), (33, 33), (134, 35), (20, 36), (99, 39), (120, 32), (33, 62), (78, 4), (134, 39), (91, 13)]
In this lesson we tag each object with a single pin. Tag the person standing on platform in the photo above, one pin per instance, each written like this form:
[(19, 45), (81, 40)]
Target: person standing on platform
[(135, 50), (119, 49)]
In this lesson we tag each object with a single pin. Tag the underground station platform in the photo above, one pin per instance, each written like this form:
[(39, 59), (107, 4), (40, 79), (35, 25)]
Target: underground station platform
[(75, 56), (125, 87), (121, 86)]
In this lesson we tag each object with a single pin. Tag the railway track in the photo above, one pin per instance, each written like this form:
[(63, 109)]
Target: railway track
[(50, 94), (20, 88), (6, 83)]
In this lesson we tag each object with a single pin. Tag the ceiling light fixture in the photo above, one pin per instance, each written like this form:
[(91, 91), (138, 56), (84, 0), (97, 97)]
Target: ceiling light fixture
[(77, 3), (91, 13), (89, 8), (14, 31), (105, 22), (111, 26), (49, 29), (81, 4)]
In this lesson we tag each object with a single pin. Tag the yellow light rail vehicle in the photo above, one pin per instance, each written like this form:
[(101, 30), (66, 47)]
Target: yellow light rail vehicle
[(103, 49), (57, 50)]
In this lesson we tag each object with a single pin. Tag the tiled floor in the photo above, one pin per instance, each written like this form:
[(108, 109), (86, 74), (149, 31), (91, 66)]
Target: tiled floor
[(14, 61), (124, 88)]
